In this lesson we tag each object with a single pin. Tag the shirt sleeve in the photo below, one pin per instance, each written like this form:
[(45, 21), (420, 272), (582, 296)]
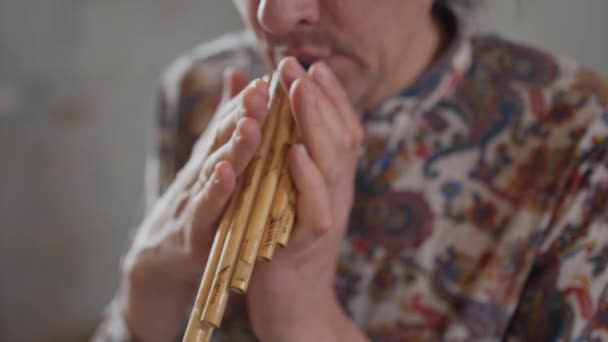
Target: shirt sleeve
[(566, 294)]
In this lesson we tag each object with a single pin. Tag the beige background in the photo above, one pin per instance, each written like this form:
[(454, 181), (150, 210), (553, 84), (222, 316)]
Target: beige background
[(77, 79)]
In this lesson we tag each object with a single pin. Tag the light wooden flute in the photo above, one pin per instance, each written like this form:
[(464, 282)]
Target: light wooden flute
[(259, 216)]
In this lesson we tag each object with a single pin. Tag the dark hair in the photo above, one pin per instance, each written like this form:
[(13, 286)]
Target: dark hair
[(458, 6), (448, 12)]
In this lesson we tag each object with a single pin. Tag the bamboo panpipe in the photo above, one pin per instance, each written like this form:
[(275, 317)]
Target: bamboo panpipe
[(266, 195), (263, 194)]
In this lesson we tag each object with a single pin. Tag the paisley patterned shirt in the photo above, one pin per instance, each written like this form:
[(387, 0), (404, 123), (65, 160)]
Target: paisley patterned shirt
[(481, 209)]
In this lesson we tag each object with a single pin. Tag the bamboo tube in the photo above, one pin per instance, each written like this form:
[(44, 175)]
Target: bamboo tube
[(288, 216), (218, 296), (205, 334), (266, 194), (287, 222), (274, 225), (194, 330)]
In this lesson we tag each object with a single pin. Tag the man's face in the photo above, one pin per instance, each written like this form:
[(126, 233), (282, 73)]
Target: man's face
[(363, 41)]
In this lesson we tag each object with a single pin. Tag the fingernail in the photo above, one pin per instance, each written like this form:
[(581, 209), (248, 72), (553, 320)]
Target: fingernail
[(322, 72), (237, 134), (259, 83), (291, 69), (306, 88), (215, 178)]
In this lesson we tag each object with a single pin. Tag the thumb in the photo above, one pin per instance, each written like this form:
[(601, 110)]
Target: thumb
[(314, 216)]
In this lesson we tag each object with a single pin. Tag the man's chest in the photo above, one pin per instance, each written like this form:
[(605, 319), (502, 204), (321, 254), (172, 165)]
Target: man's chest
[(441, 242)]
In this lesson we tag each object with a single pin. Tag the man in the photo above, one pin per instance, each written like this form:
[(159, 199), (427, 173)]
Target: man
[(451, 186)]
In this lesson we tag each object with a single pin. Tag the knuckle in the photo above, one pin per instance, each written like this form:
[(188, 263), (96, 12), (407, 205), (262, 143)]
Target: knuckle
[(225, 110), (134, 268), (249, 91), (208, 169), (221, 154), (348, 140), (257, 83), (324, 223), (227, 124), (199, 200), (181, 202), (184, 178), (359, 135), (196, 198), (230, 125), (215, 139), (334, 173), (197, 240), (351, 140)]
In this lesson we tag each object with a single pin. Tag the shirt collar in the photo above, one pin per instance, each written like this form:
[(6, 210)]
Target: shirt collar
[(434, 84), (403, 111)]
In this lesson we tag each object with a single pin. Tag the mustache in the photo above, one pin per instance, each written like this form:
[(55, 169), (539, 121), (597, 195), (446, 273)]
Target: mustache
[(314, 38)]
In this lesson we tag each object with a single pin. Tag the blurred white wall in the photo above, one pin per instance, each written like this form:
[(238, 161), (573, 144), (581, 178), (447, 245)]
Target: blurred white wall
[(77, 84), (77, 80), (578, 29)]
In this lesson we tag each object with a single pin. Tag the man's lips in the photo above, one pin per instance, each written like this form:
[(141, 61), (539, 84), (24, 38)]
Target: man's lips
[(306, 57)]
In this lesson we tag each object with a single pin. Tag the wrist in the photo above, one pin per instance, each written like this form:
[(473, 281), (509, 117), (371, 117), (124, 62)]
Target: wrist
[(142, 318), (328, 323), (113, 326)]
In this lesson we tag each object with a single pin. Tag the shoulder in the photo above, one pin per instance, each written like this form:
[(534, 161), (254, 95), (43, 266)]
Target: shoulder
[(537, 115), (528, 68), (554, 92)]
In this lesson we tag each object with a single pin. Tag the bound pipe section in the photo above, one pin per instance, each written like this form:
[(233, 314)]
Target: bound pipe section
[(260, 215)]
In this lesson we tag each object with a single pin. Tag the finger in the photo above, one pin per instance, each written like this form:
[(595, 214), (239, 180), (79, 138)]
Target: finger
[(332, 88), (234, 81), (329, 113), (252, 103), (319, 126), (207, 207), (313, 207), (238, 151), (289, 71)]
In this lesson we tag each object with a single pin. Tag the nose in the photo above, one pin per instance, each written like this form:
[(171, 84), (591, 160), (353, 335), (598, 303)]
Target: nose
[(279, 17)]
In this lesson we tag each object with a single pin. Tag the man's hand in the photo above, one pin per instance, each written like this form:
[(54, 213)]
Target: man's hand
[(164, 266), (292, 296)]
